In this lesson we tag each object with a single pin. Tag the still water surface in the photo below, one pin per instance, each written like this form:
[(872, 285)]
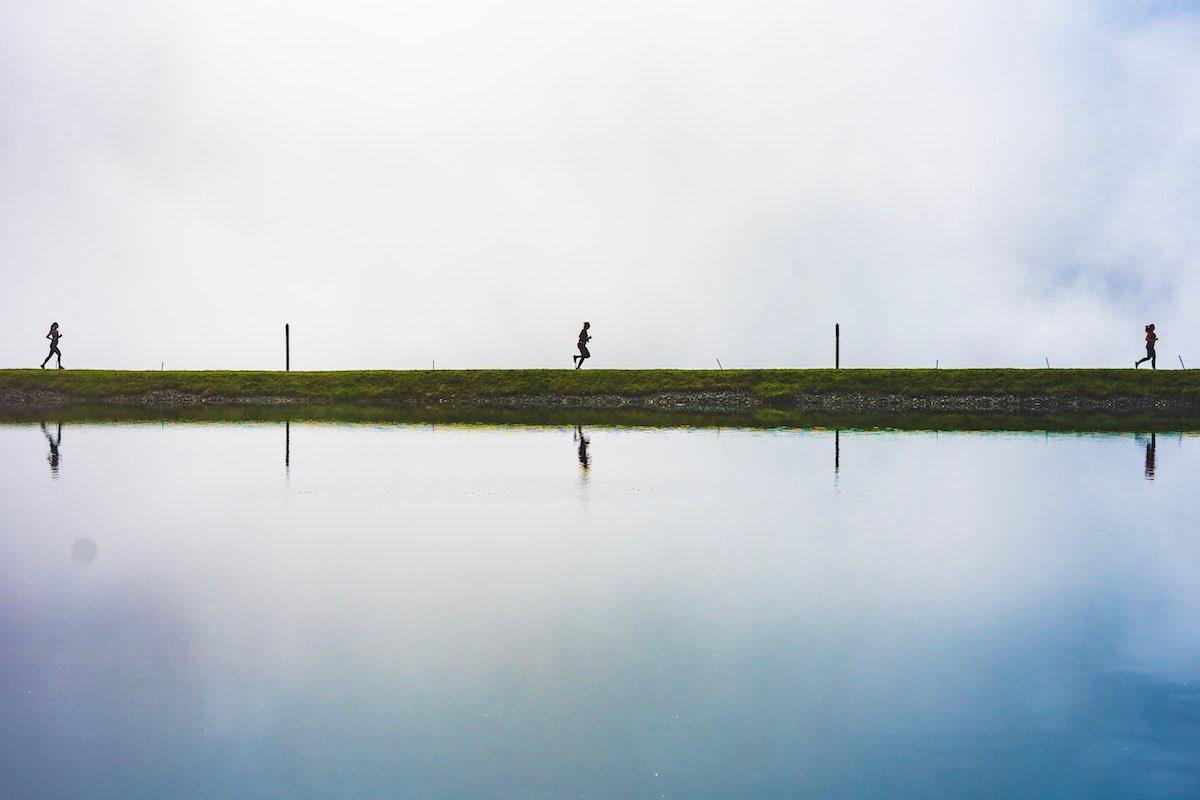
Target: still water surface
[(472, 612)]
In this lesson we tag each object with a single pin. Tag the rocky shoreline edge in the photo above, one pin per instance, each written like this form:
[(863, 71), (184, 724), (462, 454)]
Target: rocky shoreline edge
[(20, 399)]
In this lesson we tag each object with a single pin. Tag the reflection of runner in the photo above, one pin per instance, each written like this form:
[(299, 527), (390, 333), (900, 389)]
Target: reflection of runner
[(585, 460), (584, 338), (1150, 445), (54, 442)]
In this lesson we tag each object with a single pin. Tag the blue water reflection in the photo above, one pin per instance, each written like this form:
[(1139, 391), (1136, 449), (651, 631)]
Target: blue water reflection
[(434, 611)]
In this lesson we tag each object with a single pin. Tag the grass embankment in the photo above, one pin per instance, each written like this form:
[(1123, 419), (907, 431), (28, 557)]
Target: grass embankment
[(768, 386)]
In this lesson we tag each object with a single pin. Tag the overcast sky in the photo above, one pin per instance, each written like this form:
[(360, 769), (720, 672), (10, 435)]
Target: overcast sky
[(980, 183)]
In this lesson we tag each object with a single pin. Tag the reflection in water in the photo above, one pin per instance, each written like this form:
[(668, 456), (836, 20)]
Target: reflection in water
[(837, 451), (54, 441), (585, 460), (1150, 445), (710, 615), (287, 443), (84, 550)]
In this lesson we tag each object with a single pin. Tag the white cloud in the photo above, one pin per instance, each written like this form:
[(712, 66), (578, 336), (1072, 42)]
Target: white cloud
[(985, 185)]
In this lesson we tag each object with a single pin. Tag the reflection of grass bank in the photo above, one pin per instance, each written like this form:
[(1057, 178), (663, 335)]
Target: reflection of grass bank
[(779, 387), (767, 418)]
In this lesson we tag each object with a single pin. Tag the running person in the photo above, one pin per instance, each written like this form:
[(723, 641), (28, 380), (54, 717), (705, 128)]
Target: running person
[(584, 338), (1151, 339), (53, 336)]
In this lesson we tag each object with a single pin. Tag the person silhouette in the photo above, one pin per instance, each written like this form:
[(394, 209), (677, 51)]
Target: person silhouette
[(53, 336), (54, 442), (1151, 340), (585, 461), (584, 338)]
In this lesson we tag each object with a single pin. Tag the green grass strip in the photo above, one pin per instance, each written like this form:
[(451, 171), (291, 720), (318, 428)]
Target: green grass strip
[(426, 385), (769, 385)]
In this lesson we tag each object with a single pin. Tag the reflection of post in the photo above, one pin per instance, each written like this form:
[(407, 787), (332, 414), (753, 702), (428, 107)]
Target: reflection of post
[(1150, 445), (837, 451), (287, 443)]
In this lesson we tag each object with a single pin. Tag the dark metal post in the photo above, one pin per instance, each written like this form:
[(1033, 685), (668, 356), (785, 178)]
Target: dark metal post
[(837, 346), (287, 347)]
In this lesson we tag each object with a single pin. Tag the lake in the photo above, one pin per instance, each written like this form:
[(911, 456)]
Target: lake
[(458, 611)]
